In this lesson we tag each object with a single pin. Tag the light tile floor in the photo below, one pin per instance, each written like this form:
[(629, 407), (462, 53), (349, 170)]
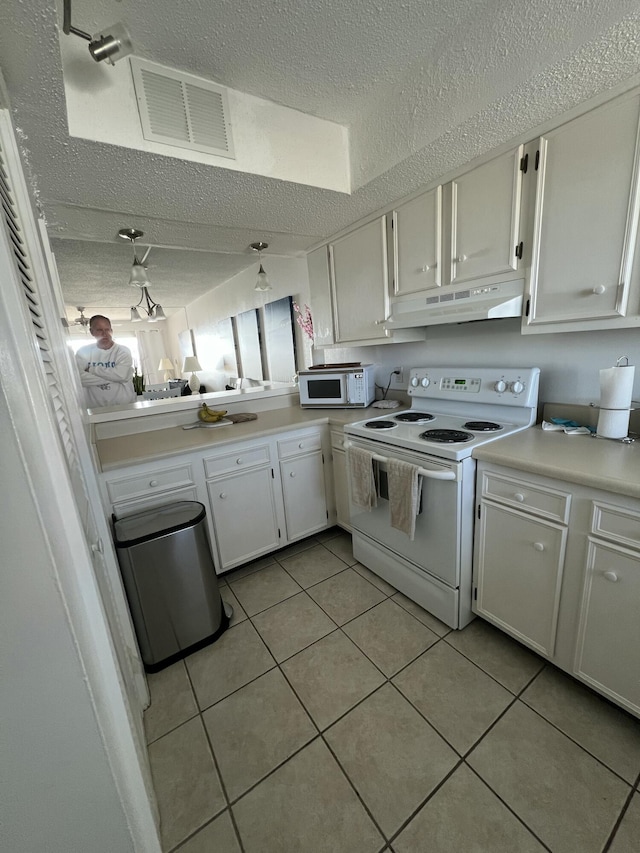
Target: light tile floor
[(335, 715)]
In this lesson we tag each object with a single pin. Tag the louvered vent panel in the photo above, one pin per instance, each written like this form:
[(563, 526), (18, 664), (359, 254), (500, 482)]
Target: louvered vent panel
[(181, 110), (23, 267)]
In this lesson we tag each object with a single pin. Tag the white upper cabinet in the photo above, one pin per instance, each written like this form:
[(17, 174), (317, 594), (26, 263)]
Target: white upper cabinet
[(585, 220), (464, 231), (359, 281), (417, 242), (320, 296)]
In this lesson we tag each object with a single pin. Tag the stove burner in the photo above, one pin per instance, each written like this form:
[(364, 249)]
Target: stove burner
[(482, 426), (380, 424), (446, 436), (414, 417)]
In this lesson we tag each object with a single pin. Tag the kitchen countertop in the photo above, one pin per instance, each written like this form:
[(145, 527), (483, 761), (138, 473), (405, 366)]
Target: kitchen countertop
[(596, 462), (147, 446)]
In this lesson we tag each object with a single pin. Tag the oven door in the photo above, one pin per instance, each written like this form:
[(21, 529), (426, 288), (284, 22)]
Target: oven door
[(440, 532)]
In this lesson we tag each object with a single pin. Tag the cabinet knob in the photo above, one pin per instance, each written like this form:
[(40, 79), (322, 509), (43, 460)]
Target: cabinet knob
[(460, 259), (292, 473), (97, 547), (223, 495), (153, 482), (301, 445), (428, 267), (611, 576), (518, 497), (599, 289), (239, 460), (538, 546)]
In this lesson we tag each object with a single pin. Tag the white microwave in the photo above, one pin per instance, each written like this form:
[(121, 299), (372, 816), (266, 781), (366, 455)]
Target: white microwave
[(339, 386)]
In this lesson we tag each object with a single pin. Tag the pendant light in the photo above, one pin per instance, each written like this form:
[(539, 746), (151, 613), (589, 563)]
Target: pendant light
[(140, 279), (263, 281)]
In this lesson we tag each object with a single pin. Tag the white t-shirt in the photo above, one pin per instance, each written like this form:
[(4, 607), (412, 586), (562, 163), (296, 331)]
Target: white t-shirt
[(108, 380)]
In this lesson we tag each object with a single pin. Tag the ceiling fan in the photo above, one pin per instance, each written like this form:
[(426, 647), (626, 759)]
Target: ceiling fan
[(81, 320)]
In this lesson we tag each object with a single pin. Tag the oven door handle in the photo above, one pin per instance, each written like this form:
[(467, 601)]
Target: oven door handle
[(422, 472)]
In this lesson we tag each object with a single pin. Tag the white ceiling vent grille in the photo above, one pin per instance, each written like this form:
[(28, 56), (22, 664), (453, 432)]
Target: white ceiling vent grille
[(181, 110)]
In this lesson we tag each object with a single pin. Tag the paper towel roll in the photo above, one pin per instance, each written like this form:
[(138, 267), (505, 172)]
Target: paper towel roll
[(616, 387), (613, 423)]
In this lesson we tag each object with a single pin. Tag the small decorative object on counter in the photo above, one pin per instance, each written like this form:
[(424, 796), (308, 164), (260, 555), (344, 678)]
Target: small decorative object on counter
[(304, 320)]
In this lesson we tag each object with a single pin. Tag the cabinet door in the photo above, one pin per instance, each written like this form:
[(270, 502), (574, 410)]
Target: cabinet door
[(519, 565), (485, 215), (586, 216), (320, 296), (305, 499), (341, 488), (359, 281), (417, 241), (244, 516), (608, 647)]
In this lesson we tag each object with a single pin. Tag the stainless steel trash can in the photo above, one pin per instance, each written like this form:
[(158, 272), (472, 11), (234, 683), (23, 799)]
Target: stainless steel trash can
[(170, 580)]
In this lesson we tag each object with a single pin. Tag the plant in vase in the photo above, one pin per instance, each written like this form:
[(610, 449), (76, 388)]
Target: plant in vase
[(138, 381)]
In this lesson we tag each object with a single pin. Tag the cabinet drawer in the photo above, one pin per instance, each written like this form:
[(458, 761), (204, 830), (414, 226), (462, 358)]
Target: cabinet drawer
[(617, 523), (140, 485), (238, 460), (541, 500), (304, 443), (337, 439)]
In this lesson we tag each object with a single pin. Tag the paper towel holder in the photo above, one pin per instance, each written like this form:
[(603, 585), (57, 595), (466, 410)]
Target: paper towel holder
[(622, 358)]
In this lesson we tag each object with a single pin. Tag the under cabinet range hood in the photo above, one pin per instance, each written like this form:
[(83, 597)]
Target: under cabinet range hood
[(458, 305)]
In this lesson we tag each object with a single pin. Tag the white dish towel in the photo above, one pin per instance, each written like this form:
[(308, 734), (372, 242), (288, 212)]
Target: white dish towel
[(363, 486), (404, 495)]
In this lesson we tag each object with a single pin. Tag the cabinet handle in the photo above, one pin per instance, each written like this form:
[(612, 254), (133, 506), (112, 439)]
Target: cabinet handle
[(153, 482), (460, 259), (223, 495), (538, 546), (292, 473), (519, 497), (428, 267), (239, 460), (599, 289), (611, 576), (301, 445)]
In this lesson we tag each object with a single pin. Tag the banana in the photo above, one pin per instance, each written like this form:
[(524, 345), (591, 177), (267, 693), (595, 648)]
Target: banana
[(208, 415)]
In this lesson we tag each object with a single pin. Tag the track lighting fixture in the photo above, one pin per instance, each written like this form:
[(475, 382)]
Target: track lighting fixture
[(263, 281), (112, 44)]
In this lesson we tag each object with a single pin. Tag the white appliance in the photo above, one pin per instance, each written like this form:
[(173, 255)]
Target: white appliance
[(337, 386), (453, 411)]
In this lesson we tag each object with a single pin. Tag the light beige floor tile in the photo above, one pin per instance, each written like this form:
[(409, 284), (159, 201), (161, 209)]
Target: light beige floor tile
[(330, 533), (185, 781), (345, 595), (459, 699), (313, 565), (392, 756), (256, 729), (219, 836), (296, 548), (503, 658), (228, 597), (373, 578), (172, 701), (306, 806), (464, 815), (292, 625), (330, 677), (234, 660), (248, 569), (627, 838), (566, 797), (341, 546), (390, 636), (605, 731), (424, 616), (263, 589)]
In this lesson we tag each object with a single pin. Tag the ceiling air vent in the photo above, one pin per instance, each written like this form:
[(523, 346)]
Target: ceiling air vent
[(181, 110)]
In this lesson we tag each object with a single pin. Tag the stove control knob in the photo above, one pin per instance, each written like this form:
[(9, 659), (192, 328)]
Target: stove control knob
[(500, 386), (414, 381), (517, 387), (425, 382)]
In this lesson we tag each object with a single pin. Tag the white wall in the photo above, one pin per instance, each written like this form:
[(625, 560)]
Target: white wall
[(569, 362), (58, 792), (287, 276)]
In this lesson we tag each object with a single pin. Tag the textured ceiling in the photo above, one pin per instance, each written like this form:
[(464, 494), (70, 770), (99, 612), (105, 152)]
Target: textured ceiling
[(423, 87)]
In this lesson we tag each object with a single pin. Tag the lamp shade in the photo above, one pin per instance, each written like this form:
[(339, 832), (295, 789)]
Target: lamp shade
[(191, 363), (167, 365), (138, 277)]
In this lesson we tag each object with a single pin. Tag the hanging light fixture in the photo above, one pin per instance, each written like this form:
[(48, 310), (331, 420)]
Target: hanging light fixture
[(112, 44), (263, 281), (140, 279)]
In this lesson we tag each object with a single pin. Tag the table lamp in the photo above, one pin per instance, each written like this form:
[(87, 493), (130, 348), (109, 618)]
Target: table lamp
[(192, 364), (167, 365)]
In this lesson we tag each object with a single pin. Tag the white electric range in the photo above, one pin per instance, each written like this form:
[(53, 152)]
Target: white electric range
[(453, 411)]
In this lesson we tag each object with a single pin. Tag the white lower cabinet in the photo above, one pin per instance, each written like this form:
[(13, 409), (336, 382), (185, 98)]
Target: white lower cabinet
[(341, 487), (148, 486), (561, 573)]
